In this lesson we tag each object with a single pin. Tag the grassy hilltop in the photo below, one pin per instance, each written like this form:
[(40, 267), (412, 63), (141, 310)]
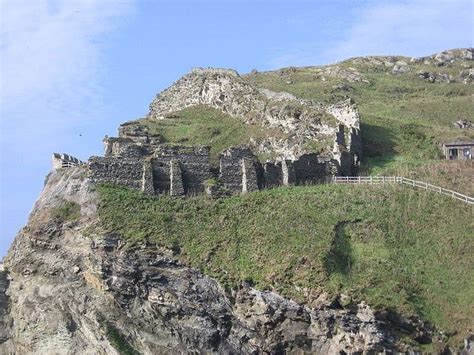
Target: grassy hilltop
[(404, 118)]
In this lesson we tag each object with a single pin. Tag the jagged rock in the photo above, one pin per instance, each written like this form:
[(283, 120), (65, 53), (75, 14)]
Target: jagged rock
[(427, 76), (463, 124), (444, 57), (436, 78), (467, 76), (5, 320), (400, 68)]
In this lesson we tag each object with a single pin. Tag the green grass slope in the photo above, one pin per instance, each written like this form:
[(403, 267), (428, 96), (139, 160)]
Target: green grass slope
[(403, 117), (202, 125), (394, 247)]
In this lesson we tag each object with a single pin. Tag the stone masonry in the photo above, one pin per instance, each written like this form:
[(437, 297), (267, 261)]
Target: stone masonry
[(64, 161), (179, 170), (239, 170), (138, 158)]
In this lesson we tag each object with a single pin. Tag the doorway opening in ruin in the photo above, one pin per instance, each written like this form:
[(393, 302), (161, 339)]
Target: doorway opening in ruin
[(453, 154)]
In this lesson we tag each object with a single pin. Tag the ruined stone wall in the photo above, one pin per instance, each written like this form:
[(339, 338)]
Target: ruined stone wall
[(123, 147), (117, 170), (273, 174), (239, 170), (279, 173), (64, 161), (147, 177), (182, 170), (249, 175), (176, 178), (310, 169), (193, 163)]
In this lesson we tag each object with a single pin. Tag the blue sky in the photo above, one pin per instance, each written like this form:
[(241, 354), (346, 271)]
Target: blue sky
[(72, 70)]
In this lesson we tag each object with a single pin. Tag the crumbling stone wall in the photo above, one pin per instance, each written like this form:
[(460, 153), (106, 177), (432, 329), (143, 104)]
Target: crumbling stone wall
[(117, 170), (123, 147), (249, 175), (288, 173), (239, 170), (176, 178), (138, 133), (279, 173), (147, 177), (181, 170), (194, 163), (64, 161), (310, 169), (273, 174)]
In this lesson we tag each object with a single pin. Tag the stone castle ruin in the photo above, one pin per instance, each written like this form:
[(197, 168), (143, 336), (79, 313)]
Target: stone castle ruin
[(139, 159), (64, 161)]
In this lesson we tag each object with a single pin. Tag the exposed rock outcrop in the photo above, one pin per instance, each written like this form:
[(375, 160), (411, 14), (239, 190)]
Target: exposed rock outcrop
[(5, 321), (304, 120)]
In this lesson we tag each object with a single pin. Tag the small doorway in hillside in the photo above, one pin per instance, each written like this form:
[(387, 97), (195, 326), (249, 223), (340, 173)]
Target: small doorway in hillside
[(453, 154)]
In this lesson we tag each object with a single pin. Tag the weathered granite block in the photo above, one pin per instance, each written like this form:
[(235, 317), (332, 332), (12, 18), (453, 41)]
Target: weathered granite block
[(176, 179)]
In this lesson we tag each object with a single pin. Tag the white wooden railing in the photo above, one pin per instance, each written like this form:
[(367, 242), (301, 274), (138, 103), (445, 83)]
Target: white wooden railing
[(404, 181)]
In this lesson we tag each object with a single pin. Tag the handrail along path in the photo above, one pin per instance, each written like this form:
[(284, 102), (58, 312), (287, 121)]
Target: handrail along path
[(403, 181)]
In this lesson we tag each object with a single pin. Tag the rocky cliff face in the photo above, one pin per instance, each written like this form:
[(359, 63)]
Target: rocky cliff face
[(71, 290), (306, 121)]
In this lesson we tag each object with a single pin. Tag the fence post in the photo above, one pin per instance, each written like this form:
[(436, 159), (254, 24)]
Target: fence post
[(359, 179)]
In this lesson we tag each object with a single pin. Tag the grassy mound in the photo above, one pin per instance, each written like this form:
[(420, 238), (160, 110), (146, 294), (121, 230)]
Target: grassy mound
[(391, 246)]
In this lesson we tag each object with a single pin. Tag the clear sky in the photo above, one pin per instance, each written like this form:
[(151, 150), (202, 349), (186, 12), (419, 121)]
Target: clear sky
[(72, 70)]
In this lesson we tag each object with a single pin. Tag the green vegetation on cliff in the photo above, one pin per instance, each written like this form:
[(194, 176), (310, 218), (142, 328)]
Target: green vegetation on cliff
[(404, 118), (392, 246), (202, 125)]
